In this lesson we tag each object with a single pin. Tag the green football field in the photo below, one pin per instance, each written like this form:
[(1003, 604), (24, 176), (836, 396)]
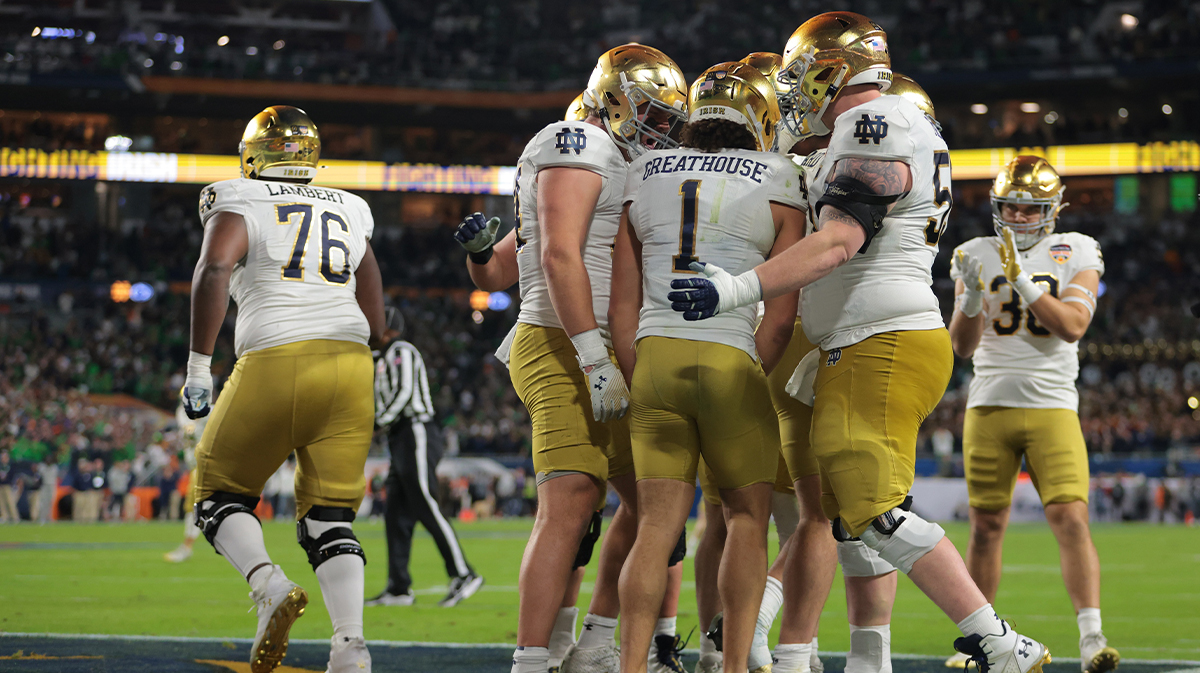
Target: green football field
[(111, 579)]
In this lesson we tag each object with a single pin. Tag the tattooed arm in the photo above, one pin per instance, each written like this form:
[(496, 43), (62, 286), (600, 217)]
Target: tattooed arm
[(839, 235)]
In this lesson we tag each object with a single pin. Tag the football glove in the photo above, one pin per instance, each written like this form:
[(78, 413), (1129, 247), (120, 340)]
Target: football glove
[(702, 298), (197, 390), (606, 385), (477, 236), (1010, 262), (968, 268), (800, 386)]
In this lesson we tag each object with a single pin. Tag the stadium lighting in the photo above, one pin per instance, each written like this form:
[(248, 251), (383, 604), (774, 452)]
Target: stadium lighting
[(499, 301), (979, 109), (1167, 109), (117, 143), (1030, 107), (37, 30), (1123, 113), (279, 44), (90, 37), (222, 41), (119, 291), (141, 292), (251, 51), (176, 65), (148, 63), (477, 317), (1129, 21), (1194, 402), (479, 300), (1051, 117)]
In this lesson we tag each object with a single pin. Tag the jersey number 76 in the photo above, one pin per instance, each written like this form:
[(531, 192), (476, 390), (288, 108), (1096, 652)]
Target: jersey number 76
[(294, 269)]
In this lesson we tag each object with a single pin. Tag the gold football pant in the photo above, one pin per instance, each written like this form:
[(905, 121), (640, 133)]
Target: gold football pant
[(694, 398), (566, 437), (712, 494), (795, 419), (871, 399), (1051, 441), (316, 398)]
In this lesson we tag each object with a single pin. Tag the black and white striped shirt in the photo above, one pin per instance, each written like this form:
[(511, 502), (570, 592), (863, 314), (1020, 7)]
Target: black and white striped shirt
[(401, 386)]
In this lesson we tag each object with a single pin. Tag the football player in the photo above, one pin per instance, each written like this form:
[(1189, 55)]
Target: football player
[(700, 389), (1023, 299), (570, 179), (297, 260), (189, 435), (885, 357)]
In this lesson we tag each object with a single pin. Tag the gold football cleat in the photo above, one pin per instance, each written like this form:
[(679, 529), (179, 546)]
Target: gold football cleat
[(1103, 661), (270, 652)]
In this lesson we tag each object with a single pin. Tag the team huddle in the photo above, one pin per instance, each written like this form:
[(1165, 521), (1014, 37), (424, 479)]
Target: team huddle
[(743, 301)]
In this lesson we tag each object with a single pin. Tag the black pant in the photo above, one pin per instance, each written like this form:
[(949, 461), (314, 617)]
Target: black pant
[(411, 484)]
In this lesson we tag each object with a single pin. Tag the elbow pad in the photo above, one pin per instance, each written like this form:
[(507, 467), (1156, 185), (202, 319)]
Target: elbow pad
[(854, 197)]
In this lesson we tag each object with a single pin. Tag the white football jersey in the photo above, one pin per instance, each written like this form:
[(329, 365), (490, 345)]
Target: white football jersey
[(691, 206), (887, 288), (572, 145), (1018, 362), (297, 281)]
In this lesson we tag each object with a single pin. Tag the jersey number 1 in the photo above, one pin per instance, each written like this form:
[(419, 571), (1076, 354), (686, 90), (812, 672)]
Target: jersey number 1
[(690, 191), (294, 269)]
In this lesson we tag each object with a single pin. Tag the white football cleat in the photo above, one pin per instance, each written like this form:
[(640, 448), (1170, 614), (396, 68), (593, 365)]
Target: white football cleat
[(348, 655), (605, 659), (1095, 656), (1005, 652), (178, 554), (710, 663), (957, 660), (815, 665), (760, 651), (279, 605), (386, 598)]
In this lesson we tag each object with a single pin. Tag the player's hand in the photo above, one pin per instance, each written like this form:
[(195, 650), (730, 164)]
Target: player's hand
[(717, 292), (610, 395), (800, 385), (197, 393), (476, 234), (969, 270), (1010, 257)]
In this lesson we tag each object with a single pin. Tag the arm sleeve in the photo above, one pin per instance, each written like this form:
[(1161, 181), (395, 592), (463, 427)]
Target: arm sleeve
[(221, 197), (786, 185)]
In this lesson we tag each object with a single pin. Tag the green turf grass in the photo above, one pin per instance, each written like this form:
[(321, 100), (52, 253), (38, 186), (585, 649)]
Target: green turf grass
[(68, 578)]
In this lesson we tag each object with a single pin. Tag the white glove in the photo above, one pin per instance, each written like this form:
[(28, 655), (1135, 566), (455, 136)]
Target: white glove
[(1010, 261), (800, 386), (197, 390), (610, 396), (969, 268), (717, 292)]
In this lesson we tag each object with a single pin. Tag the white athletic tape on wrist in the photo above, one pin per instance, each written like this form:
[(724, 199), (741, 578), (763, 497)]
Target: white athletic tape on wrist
[(969, 303), (912, 539), (1029, 290), (590, 347), (199, 364), (859, 560), (1081, 300)]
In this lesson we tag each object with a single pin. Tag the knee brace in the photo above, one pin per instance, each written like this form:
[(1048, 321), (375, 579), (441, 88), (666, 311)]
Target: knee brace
[(584, 555), (902, 537), (680, 550), (859, 560), (211, 511), (321, 539)]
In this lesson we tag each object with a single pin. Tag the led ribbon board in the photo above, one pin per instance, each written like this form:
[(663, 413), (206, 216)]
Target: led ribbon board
[(161, 167)]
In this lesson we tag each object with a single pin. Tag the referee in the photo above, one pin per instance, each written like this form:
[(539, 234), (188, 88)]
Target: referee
[(404, 410)]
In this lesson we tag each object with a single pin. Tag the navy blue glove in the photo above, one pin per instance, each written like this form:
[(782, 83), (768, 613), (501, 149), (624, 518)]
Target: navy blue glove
[(476, 234), (698, 299), (717, 292)]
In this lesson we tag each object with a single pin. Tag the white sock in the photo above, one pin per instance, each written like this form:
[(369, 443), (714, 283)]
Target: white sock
[(341, 579), (597, 631), (665, 627), (190, 530), (983, 621), (1089, 621), (240, 541), (793, 657), (815, 659), (531, 660), (563, 635), (707, 646), (870, 649), (772, 600)]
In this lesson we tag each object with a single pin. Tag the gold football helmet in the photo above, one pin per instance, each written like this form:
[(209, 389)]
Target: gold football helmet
[(576, 111), (905, 87), (280, 142), (1027, 180), (625, 77), (739, 93), (826, 54), (769, 64)]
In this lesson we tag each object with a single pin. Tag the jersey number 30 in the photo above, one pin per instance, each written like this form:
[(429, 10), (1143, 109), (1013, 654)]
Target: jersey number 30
[(294, 269)]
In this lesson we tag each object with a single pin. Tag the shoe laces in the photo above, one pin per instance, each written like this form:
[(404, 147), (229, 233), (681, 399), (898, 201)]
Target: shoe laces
[(668, 648)]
